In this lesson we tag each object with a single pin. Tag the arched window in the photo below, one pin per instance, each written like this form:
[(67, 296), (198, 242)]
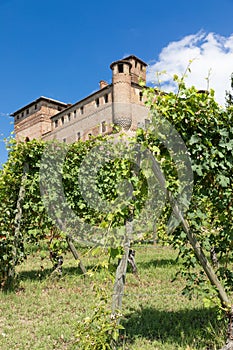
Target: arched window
[(120, 68)]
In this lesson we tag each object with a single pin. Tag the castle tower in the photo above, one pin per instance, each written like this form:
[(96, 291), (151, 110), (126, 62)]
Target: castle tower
[(126, 76), (33, 120), (121, 85), (138, 69)]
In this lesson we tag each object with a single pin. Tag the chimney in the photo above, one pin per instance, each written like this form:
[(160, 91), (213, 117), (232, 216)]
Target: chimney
[(102, 84)]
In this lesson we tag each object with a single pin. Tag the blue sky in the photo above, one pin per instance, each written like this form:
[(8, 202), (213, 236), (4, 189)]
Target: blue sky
[(62, 49)]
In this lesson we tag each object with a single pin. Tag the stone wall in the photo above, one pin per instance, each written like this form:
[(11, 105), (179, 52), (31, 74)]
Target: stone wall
[(118, 103), (34, 120), (92, 115)]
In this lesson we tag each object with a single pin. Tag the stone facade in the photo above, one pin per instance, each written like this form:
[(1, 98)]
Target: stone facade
[(119, 103)]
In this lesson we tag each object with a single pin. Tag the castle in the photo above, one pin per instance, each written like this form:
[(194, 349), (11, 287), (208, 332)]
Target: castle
[(119, 103)]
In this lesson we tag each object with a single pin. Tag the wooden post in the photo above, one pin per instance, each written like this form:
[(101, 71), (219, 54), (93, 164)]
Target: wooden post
[(62, 226), (18, 217), (75, 253), (118, 289), (191, 237), (120, 279)]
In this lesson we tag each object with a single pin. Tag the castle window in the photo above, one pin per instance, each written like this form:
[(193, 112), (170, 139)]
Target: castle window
[(22, 114), (17, 117), (35, 106), (136, 63), (81, 110), (27, 111), (120, 68), (62, 120), (74, 113), (106, 98), (69, 117), (141, 67), (140, 96), (78, 136), (59, 108), (103, 126), (97, 102), (56, 123), (64, 140)]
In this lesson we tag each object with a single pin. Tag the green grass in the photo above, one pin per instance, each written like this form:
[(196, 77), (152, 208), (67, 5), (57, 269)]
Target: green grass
[(44, 311)]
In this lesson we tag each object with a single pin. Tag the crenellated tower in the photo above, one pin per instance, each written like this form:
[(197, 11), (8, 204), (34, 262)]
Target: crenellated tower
[(126, 76)]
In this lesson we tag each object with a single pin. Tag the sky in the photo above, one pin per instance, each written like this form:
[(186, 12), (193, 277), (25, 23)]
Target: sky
[(62, 49)]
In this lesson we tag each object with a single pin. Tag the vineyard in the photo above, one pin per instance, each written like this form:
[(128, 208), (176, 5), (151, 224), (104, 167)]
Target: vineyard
[(92, 204)]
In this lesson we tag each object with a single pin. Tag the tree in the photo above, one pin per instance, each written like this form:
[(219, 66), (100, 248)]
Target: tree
[(207, 131), (42, 196)]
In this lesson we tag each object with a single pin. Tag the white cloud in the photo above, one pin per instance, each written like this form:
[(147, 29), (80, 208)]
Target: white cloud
[(4, 114), (211, 54)]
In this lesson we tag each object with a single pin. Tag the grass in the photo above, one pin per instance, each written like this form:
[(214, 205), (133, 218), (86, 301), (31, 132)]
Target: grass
[(44, 312)]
